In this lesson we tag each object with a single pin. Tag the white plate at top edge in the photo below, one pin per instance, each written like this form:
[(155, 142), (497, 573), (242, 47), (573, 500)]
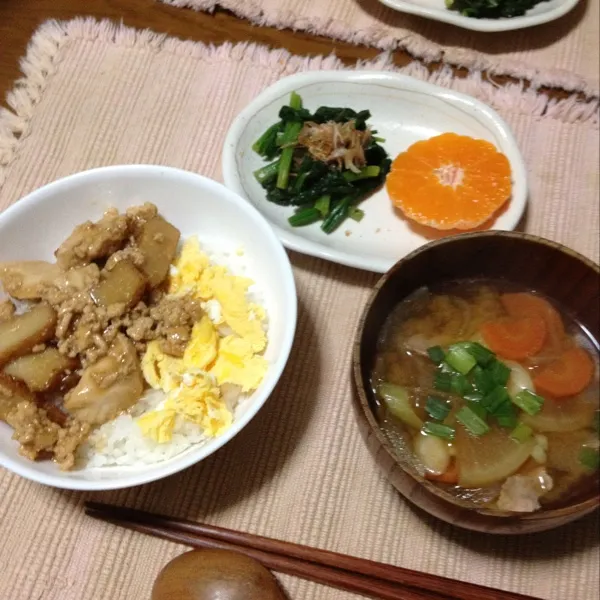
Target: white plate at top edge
[(545, 11), (403, 111)]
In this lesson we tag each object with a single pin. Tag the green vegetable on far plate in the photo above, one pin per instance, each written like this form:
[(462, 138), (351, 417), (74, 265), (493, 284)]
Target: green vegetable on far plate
[(491, 9), (323, 163)]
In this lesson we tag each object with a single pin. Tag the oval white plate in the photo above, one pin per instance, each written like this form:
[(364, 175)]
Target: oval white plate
[(404, 110), (436, 10)]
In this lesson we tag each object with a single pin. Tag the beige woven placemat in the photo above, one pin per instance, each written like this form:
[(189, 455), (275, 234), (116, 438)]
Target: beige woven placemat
[(97, 94), (563, 53)]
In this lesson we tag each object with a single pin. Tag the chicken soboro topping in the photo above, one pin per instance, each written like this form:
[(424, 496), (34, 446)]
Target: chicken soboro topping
[(71, 361), (7, 310), (39, 435)]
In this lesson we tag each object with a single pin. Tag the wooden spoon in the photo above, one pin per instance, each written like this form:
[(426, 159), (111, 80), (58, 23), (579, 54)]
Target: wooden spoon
[(215, 575)]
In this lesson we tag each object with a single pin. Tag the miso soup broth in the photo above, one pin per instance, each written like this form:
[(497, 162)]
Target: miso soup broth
[(491, 392)]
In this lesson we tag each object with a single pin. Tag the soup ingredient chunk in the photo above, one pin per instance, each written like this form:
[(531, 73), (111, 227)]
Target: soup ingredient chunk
[(515, 338), (568, 375), (450, 475), (523, 304), (396, 399), (521, 493), (490, 458), (433, 452), (557, 415), (450, 182)]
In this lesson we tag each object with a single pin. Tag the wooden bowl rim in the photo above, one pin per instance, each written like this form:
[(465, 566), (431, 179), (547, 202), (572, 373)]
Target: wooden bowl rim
[(583, 507)]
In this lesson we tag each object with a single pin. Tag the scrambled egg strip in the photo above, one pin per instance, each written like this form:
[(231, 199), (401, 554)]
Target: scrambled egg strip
[(211, 359)]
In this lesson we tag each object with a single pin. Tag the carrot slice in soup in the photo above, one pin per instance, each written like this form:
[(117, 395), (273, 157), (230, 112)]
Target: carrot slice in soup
[(530, 305), (566, 376), (450, 475), (515, 338)]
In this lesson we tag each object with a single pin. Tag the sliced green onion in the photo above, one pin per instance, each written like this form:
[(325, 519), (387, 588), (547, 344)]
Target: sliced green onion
[(480, 353), (322, 205), (473, 397), (436, 354), (495, 399), (437, 408), (438, 430), (443, 381), (460, 359), (529, 402), (460, 385), (521, 433), (507, 416), (356, 214), (304, 217), (478, 409), (499, 372), (446, 368), (483, 381), (397, 401), (590, 458), (474, 424)]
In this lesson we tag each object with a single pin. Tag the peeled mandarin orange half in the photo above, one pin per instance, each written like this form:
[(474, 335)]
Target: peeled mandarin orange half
[(450, 181)]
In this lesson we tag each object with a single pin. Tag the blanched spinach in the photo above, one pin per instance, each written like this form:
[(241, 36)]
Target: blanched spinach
[(318, 190), (492, 9)]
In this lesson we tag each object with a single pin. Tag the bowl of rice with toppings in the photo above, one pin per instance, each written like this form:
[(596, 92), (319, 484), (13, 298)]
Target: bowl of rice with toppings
[(146, 314)]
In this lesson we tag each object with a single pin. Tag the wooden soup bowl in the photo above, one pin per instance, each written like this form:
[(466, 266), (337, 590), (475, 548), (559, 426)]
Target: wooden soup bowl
[(535, 263)]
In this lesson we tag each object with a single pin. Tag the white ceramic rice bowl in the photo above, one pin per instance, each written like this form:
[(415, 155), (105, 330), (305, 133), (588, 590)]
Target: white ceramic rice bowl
[(34, 227)]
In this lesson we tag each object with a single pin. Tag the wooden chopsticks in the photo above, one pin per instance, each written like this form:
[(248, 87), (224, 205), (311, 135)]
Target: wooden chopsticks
[(372, 579)]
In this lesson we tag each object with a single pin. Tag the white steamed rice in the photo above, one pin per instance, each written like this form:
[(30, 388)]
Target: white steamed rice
[(120, 442)]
